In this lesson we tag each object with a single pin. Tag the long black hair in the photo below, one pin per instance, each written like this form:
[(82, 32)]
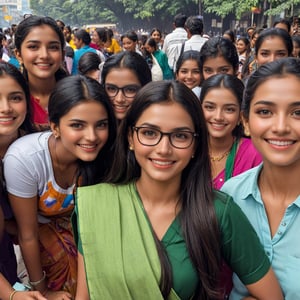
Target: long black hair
[(197, 216)]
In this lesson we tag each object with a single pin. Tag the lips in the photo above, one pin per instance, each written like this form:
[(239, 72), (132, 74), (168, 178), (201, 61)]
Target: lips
[(121, 109), (281, 143), (7, 120), (218, 126), (88, 147)]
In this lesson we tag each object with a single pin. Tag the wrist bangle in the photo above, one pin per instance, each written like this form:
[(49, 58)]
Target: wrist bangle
[(11, 296), (35, 283)]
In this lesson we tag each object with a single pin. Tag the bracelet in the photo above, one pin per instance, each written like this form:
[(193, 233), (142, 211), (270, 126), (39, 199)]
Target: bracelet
[(11, 296), (35, 283)]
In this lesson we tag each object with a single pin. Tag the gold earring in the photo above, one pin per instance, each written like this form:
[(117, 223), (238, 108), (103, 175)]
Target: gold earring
[(131, 148), (246, 132)]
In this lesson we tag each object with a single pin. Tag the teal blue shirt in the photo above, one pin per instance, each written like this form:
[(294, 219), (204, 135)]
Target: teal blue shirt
[(162, 60), (77, 54), (283, 249)]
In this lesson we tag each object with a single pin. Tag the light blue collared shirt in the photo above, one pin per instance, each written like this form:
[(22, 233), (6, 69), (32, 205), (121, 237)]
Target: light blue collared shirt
[(283, 249)]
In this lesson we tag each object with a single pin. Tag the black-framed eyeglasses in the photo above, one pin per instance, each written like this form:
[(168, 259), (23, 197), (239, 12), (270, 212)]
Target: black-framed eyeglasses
[(180, 139), (128, 91)]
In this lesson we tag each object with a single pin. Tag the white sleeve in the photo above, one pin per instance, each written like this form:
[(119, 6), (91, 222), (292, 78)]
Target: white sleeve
[(19, 174)]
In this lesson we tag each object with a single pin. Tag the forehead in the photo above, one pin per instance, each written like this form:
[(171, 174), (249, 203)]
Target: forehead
[(273, 89), (274, 43), (167, 114), (122, 76), (42, 33)]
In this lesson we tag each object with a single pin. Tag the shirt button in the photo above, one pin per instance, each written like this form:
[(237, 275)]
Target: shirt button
[(268, 253), (283, 224), (279, 232)]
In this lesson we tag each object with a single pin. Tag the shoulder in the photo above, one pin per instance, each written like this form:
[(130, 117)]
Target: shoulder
[(242, 184), (30, 143)]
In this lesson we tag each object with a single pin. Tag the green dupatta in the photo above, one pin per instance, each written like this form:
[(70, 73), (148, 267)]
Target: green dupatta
[(120, 255)]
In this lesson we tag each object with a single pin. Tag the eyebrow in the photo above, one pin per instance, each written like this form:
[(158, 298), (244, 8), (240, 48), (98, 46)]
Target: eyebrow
[(270, 103), (184, 128), (83, 121)]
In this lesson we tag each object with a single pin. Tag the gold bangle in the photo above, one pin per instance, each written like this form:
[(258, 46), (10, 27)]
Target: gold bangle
[(11, 296), (35, 283)]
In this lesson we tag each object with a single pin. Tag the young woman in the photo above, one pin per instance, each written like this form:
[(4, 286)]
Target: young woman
[(243, 49), (159, 223), (40, 51), (269, 193), (42, 171), (15, 121), (157, 35), (271, 44), (218, 56), (230, 153), (123, 74), (129, 42), (188, 70), (158, 56)]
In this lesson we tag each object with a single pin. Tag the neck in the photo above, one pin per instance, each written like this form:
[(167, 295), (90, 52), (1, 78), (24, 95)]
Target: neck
[(282, 182), (159, 193), (217, 147), (41, 86)]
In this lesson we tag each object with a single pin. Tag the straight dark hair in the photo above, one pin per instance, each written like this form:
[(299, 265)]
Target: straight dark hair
[(231, 83), (25, 27), (197, 217), (68, 93)]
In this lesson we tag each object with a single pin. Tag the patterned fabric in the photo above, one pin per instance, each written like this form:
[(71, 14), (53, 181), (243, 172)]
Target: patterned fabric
[(59, 254)]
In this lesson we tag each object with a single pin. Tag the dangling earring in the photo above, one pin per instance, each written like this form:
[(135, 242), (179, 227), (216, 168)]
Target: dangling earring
[(246, 132)]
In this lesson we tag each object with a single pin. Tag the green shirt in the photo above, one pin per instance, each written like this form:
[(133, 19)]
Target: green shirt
[(240, 247)]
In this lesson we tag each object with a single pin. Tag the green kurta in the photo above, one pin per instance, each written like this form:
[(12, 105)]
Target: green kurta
[(120, 256)]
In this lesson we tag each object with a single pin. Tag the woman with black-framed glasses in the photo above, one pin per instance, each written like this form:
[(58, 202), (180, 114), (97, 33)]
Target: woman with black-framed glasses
[(123, 74), (157, 230)]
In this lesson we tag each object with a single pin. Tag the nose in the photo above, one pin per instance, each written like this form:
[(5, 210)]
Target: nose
[(5, 106), (43, 52), (164, 146), (91, 134), (120, 98), (219, 115), (281, 125)]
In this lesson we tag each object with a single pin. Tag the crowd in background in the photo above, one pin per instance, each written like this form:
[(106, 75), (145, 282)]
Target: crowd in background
[(119, 153)]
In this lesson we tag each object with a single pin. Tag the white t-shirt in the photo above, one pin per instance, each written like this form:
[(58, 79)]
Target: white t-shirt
[(28, 172)]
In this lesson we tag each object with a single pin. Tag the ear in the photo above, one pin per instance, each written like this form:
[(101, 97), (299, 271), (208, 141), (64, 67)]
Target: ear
[(130, 139), (55, 129), (246, 125), (18, 56)]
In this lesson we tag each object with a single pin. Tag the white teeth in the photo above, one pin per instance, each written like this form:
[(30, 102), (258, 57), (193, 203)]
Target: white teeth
[(280, 143), (6, 119), (162, 163), (88, 146)]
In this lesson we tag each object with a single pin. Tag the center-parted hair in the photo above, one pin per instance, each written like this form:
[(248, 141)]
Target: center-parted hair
[(128, 60), (197, 216), (229, 82), (72, 91)]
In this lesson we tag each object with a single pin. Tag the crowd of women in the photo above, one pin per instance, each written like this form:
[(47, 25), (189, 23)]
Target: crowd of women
[(119, 186)]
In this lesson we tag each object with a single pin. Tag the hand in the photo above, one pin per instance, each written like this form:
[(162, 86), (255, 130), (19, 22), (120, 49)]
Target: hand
[(28, 296), (58, 295)]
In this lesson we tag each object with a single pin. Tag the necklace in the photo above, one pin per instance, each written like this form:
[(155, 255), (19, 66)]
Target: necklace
[(220, 157)]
